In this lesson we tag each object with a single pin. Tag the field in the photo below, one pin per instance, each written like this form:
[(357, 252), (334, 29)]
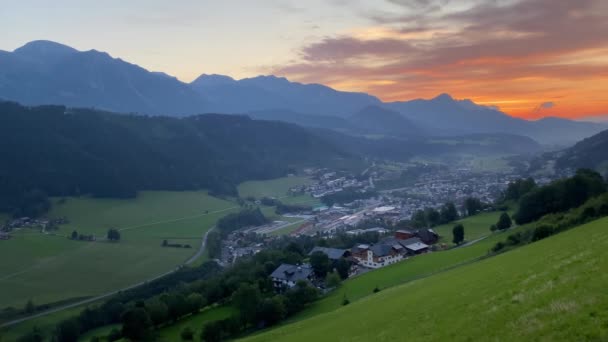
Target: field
[(551, 290), (475, 227), (195, 322), (48, 268), (270, 188)]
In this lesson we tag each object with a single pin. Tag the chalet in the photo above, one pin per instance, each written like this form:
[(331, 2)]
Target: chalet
[(417, 248), (378, 255), (332, 253), (404, 234), (287, 276), (428, 236), (412, 246)]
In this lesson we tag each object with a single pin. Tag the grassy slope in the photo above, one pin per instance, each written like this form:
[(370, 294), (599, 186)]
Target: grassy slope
[(47, 268), (195, 322), (45, 323), (552, 290), (474, 227), (408, 270)]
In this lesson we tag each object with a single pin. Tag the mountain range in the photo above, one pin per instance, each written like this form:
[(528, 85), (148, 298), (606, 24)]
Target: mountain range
[(45, 72)]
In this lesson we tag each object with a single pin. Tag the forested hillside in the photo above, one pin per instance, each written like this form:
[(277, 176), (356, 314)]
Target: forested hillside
[(590, 152), (55, 151)]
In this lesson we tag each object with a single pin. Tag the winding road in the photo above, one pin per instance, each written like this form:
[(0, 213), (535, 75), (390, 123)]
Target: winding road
[(192, 259)]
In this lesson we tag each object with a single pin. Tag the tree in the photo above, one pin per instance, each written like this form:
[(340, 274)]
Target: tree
[(419, 219), (74, 235), (560, 196), (299, 296), (433, 217), (68, 331), (458, 233), (519, 188), (35, 335), (332, 280), (542, 232), (114, 335), (30, 307), (272, 310), (214, 244), (320, 263), (157, 310), (187, 334), (342, 267), (246, 299), (212, 332), (472, 206), (136, 324), (113, 234), (195, 302), (177, 305), (448, 213), (504, 222)]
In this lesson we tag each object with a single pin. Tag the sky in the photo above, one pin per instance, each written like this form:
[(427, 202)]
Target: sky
[(529, 58)]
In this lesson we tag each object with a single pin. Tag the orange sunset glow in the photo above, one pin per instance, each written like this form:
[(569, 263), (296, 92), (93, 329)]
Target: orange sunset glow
[(530, 59)]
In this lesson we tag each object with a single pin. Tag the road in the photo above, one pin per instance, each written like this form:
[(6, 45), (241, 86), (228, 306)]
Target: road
[(198, 254)]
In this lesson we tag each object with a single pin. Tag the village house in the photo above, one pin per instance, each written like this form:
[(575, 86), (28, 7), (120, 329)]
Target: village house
[(428, 236), (377, 255), (404, 234), (412, 246), (332, 253), (287, 276)]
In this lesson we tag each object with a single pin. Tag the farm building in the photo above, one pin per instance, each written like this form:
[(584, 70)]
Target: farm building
[(286, 276), (332, 253), (378, 255)]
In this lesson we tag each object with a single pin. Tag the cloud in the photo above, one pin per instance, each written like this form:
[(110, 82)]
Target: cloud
[(542, 106), (529, 48)]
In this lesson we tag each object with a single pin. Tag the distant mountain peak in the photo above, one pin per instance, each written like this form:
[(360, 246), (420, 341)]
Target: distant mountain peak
[(44, 48), (444, 97), (214, 79)]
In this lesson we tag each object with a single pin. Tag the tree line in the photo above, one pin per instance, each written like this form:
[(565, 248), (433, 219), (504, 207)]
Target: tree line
[(556, 207), (246, 286), (57, 151)]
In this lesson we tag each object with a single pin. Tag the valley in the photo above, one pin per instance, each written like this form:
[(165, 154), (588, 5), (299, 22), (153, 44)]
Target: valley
[(361, 176)]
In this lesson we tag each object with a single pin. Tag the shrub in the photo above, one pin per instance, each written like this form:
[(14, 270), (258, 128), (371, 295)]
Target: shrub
[(187, 334), (542, 232)]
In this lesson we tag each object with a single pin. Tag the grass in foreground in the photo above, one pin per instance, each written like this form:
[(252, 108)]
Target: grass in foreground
[(551, 290), (414, 268)]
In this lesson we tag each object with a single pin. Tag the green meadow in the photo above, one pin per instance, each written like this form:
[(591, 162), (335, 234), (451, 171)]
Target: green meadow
[(414, 268), (195, 322), (475, 227), (48, 268), (551, 290), (270, 188)]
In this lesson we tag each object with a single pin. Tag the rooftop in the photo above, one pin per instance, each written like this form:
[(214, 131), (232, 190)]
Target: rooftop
[(293, 273)]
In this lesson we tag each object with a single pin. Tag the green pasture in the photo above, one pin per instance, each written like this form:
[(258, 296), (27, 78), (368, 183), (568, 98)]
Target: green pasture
[(270, 188), (551, 290), (48, 268)]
